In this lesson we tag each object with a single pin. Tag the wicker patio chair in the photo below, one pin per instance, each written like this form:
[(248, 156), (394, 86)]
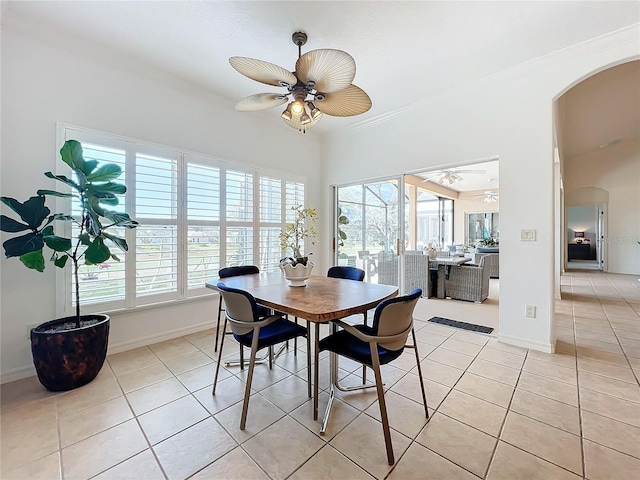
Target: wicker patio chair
[(416, 272), (492, 262), (468, 282)]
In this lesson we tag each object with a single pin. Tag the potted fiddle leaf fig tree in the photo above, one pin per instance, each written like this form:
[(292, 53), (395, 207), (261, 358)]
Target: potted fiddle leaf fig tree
[(297, 268), (69, 352)]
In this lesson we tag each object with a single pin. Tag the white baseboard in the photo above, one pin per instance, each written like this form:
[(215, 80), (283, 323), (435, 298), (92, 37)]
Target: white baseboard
[(518, 342), (159, 337), (18, 374), (30, 371)]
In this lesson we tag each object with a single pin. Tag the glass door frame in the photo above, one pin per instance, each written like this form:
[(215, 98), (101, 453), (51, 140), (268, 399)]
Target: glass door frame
[(396, 250)]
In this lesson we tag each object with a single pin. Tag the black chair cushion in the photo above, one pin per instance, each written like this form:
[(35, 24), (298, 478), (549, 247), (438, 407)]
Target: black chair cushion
[(276, 332), (345, 344)]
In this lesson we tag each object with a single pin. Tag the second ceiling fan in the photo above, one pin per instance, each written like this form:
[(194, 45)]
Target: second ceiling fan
[(449, 176), (321, 84)]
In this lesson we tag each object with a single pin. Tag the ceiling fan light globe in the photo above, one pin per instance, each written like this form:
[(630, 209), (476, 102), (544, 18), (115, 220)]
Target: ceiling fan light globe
[(297, 107)]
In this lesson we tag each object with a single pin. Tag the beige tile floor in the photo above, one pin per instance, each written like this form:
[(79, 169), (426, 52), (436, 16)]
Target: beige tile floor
[(497, 411)]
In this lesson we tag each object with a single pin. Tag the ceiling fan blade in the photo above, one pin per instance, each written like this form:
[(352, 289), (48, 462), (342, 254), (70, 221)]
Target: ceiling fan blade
[(263, 72), (260, 101), (331, 70), (345, 103), (297, 124)]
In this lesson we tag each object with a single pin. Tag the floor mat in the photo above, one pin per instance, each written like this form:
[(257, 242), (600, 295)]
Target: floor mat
[(464, 325)]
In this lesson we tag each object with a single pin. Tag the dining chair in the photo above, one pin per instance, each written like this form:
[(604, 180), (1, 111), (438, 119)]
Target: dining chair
[(350, 273), (380, 344), (255, 332), (234, 272)]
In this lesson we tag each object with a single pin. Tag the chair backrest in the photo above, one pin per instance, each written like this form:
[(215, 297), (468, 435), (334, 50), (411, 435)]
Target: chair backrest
[(348, 273), (240, 305), (236, 271), (394, 316)]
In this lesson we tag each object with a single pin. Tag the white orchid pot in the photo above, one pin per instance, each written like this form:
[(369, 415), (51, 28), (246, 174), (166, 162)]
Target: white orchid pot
[(297, 275)]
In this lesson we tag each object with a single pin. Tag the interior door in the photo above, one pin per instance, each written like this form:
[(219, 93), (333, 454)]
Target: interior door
[(369, 230)]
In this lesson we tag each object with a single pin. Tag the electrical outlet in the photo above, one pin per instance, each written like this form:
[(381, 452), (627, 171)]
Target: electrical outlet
[(530, 311)]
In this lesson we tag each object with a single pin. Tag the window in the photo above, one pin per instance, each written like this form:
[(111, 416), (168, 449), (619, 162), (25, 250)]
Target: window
[(196, 213), (435, 220)]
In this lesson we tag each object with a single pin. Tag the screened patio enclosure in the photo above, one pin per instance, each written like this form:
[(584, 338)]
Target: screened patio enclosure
[(385, 227)]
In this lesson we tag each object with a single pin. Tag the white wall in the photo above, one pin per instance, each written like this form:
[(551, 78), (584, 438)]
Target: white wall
[(616, 170), (507, 115), (41, 86)]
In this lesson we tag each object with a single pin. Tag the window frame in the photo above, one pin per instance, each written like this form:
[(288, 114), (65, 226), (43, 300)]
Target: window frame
[(133, 301)]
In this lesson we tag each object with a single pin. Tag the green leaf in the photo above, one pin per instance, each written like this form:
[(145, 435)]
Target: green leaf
[(111, 187), (62, 216), (92, 204), (53, 193), (85, 239), (71, 153), (115, 257), (60, 262), (18, 246), (48, 230), (113, 201), (93, 224), (32, 212), (120, 219), (97, 252), (56, 243), (89, 166), (10, 225), (34, 260), (121, 243), (105, 173), (342, 235), (63, 179)]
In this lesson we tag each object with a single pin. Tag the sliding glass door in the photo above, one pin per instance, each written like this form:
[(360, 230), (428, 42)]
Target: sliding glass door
[(370, 228)]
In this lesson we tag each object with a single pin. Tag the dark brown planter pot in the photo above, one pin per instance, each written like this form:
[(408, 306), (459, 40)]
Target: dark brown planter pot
[(69, 359)]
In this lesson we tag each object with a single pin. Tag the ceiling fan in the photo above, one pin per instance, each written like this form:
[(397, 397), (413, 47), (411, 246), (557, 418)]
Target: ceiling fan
[(321, 84), (450, 176), (489, 195)]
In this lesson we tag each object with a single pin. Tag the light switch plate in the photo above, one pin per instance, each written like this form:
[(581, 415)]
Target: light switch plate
[(528, 235)]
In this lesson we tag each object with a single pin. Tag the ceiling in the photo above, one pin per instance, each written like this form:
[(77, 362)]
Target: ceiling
[(404, 51), (600, 112), (487, 180)]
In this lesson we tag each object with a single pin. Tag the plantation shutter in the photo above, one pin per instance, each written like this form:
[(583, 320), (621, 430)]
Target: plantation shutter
[(203, 229), (270, 223), (239, 218), (156, 189)]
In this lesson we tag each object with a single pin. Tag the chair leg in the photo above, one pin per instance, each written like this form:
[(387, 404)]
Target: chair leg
[(383, 406), (364, 367), (247, 390), (424, 395), (241, 357), (295, 341), (215, 379), (309, 357), (218, 324)]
